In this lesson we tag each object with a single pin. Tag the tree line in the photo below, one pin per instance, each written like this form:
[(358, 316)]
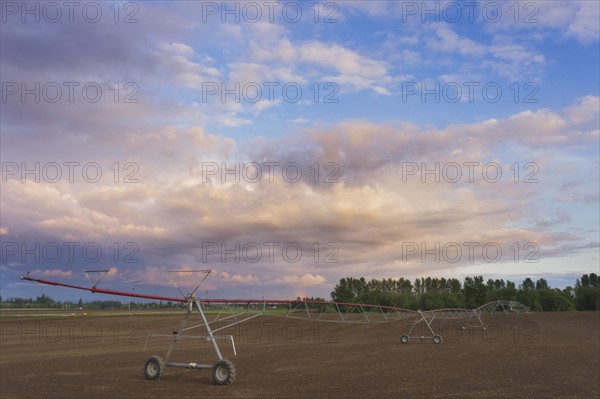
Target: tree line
[(423, 294), (436, 293), (47, 302)]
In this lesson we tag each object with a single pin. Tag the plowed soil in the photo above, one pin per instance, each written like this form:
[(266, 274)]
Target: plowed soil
[(536, 355)]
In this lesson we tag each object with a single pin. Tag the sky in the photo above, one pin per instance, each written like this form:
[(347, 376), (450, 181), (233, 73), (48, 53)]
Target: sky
[(285, 145)]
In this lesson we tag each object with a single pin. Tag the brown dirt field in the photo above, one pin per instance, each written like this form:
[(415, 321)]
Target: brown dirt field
[(535, 355)]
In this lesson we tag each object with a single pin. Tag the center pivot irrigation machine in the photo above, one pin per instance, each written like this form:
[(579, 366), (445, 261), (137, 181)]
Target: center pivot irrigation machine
[(237, 311)]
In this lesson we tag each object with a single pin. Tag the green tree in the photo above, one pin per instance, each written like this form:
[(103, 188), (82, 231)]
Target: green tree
[(541, 284), (528, 284), (531, 298), (587, 292), (474, 291), (555, 300)]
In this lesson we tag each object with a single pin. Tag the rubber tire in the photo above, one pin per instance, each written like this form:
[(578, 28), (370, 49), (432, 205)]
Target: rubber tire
[(223, 372), (437, 339), (404, 339), (154, 369)]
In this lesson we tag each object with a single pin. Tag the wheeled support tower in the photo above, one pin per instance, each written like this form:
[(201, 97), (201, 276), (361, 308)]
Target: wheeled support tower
[(427, 318), (223, 370)]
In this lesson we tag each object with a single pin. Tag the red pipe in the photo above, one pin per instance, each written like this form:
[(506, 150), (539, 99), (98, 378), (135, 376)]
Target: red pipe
[(105, 291), (184, 300)]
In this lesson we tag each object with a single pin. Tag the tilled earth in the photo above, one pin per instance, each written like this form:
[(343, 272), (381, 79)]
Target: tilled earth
[(536, 355)]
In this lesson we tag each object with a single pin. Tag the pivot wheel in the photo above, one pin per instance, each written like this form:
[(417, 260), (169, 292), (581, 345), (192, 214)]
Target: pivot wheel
[(437, 339), (404, 339), (223, 372), (154, 369)]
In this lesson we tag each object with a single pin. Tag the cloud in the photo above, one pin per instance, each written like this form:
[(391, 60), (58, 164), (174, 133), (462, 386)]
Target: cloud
[(54, 273), (113, 271), (360, 221), (366, 212), (62, 213), (446, 40), (306, 280), (585, 25), (325, 60), (239, 279), (573, 19), (440, 45), (585, 110), (513, 60), (345, 61)]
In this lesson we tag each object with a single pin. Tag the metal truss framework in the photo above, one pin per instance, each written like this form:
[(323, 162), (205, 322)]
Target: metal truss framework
[(473, 317), (232, 312)]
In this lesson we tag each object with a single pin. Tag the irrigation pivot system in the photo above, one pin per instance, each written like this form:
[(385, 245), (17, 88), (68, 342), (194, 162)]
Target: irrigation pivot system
[(237, 311)]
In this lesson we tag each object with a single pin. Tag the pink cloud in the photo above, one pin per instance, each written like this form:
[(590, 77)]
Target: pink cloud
[(52, 273)]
